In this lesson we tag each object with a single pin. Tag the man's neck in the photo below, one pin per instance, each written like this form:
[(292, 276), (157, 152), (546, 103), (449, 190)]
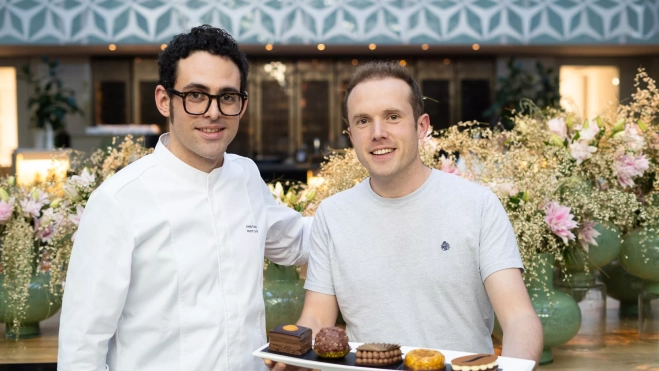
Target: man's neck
[(403, 183), (192, 159)]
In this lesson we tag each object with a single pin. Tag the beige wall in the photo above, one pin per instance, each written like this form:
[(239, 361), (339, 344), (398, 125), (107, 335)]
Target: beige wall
[(590, 91)]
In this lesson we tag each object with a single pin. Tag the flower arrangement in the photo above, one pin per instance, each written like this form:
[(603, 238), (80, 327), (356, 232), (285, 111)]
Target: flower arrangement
[(38, 225)]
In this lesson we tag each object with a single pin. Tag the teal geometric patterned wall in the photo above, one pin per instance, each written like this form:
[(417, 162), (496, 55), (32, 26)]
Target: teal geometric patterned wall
[(79, 22)]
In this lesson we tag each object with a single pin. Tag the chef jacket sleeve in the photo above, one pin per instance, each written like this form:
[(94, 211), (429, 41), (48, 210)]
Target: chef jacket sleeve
[(96, 285), (287, 240)]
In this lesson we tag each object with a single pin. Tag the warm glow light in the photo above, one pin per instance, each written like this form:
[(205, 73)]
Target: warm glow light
[(268, 47), (372, 46), (447, 61), (355, 62), (8, 115), (163, 46), (34, 167), (425, 47), (321, 46), (314, 181), (112, 47), (403, 62), (588, 90), (475, 46)]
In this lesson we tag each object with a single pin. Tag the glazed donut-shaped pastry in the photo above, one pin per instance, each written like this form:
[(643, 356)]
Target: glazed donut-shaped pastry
[(424, 360)]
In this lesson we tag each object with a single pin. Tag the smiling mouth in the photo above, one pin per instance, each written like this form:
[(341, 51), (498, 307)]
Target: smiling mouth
[(383, 151), (213, 130)]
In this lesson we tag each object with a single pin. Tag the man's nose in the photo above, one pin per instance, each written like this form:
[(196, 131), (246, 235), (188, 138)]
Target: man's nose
[(379, 130), (214, 112)]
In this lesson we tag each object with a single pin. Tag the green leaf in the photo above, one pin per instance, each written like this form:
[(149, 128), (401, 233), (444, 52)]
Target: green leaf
[(576, 137)]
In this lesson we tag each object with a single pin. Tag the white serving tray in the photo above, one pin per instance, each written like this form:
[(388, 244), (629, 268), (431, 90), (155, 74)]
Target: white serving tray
[(505, 363)]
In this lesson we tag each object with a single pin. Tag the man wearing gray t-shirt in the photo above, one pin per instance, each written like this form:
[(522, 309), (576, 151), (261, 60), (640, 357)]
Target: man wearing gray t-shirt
[(412, 255)]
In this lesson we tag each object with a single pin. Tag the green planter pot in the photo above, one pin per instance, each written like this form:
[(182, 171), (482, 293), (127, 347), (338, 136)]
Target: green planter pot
[(42, 304), (639, 261), (283, 295), (623, 287), (640, 257), (559, 313), (607, 249)]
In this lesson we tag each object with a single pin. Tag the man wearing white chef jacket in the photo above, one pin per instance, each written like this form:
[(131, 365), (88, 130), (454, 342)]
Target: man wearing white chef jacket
[(413, 255), (167, 267)]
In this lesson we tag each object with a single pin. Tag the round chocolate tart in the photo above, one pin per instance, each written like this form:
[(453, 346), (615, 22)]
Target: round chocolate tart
[(424, 360), (331, 342), (484, 362)]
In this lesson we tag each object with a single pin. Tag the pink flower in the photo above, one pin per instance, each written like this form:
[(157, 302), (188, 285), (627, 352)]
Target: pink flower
[(588, 234), (448, 166), (581, 151), (84, 179), (504, 189), (629, 166), (560, 221), (45, 226), (6, 209), (40, 197), (31, 208), (75, 219), (590, 132), (558, 127), (633, 138)]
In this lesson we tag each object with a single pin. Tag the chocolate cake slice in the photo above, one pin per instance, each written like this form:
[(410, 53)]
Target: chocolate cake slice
[(378, 354), (290, 339)]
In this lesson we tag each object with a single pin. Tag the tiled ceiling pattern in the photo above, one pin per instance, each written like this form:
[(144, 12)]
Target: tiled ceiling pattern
[(334, 21)]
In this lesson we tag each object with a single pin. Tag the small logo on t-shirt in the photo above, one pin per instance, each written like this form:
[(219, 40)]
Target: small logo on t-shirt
[(445, 246)]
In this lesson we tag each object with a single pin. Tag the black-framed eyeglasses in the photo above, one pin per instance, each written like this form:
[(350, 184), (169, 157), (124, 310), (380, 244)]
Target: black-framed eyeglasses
[(198, 103)]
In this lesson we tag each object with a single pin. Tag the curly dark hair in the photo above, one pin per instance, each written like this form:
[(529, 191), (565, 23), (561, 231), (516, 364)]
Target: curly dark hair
[(206, 38)]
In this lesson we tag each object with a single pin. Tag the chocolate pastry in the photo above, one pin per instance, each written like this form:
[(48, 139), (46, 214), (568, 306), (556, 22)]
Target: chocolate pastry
[(331, 342), (290, 339), (376, 354), (485, 362)]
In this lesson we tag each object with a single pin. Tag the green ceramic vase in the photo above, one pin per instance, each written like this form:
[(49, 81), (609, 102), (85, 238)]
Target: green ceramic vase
[(623, 287), (559, 313), (576, 260), (42, 304), (283, 294), (641, 261)]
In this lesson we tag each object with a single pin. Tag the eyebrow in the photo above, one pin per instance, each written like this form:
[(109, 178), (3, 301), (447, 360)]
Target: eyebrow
[(195, 85), (392, 110), (387, 111), (358, 115)]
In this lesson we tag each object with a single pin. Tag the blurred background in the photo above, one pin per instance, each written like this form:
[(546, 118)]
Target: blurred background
[(474, 60)]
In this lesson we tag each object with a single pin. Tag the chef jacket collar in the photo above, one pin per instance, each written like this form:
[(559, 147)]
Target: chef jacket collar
[(181, 169)]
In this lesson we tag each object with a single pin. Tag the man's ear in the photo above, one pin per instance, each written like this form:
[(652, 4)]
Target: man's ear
[(162, 101), (423, 125), (350, 135)]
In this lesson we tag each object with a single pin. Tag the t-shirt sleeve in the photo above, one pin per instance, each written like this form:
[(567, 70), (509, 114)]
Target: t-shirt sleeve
[(319, 271), (498, 244)]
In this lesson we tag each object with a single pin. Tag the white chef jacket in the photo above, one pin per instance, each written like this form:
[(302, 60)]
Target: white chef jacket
[(166, 271)]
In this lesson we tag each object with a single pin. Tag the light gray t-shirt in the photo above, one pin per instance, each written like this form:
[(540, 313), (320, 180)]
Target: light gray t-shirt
[(410, 270)]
